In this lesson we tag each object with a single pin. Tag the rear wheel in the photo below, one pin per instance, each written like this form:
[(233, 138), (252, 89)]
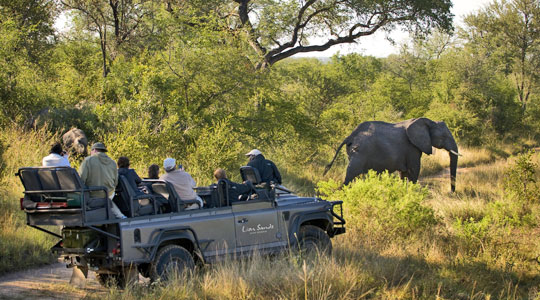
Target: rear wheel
[(312, 239), (170, 261)]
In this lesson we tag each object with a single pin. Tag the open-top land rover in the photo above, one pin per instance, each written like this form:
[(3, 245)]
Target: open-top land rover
[(159, 235)]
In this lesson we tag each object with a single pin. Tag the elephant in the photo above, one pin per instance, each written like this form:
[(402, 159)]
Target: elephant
[(380, 146), (75, 140)]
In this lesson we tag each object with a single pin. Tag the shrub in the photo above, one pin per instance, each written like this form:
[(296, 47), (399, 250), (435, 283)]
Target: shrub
[(520, 180), (383, 205)]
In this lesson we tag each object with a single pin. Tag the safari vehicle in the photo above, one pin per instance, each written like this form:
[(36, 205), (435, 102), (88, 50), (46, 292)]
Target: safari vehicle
[(159, 235)]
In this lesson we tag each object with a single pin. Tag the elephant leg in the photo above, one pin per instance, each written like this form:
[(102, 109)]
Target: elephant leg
[(413, 169), (403, 174)]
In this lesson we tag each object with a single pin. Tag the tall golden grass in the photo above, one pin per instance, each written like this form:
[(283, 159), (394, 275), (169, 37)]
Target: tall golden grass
[(20, 246), (450, 261)]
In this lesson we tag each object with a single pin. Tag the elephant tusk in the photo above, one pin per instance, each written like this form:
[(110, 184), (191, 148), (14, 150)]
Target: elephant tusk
[(455, 153)]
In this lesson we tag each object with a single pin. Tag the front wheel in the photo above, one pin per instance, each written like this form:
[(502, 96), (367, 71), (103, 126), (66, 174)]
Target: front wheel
[(171, 260), (312, 239)]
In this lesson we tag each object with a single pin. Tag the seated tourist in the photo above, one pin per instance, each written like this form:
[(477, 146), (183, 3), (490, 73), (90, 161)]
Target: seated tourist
[(133, 179), (182, 182), (57, 157), (153, 171), (237, 191)]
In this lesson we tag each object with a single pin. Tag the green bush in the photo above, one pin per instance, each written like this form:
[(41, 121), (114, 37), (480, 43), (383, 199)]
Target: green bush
[(520, 180), (383, 205)]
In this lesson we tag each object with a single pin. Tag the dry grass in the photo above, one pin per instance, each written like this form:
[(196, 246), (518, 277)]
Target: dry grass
[(20, 246), (439, 264)]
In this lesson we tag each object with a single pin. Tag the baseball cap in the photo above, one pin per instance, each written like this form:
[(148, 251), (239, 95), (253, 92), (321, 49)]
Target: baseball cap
[(169, 163), (253, 152)]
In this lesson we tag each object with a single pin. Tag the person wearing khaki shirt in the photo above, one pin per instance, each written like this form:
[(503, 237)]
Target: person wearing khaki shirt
[(182, 182), (98, 169)]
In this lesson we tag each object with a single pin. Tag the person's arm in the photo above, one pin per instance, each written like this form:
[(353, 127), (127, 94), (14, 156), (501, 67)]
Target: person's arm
[(65, 158), (138, 179), (276, 173), (83, 171)]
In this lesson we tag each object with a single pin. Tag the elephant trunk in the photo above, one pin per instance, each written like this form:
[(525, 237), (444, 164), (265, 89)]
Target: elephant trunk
[(453, 152), (453, 171)]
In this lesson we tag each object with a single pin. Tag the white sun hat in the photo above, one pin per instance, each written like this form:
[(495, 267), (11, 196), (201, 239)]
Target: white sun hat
[(253, 152)]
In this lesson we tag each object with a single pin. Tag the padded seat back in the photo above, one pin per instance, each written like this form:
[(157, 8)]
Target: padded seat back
[(251, 174), (164, 190), (130, 196), (223, 192)]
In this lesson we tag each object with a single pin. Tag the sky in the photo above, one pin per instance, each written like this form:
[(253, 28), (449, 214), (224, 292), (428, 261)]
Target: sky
[(377, 45)]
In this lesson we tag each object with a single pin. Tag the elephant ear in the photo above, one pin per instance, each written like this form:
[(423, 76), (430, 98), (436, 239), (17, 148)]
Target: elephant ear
[(418, 133)]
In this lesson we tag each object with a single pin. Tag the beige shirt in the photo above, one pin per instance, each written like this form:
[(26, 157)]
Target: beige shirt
[(183, 183)]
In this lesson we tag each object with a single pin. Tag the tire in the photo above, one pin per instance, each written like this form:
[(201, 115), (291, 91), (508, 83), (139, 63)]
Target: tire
[(108, 280), (313, 240), (169, 260)]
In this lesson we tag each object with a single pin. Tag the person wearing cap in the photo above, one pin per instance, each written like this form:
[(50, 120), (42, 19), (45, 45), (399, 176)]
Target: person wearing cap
[(56, 158), (182, 182), (267, 169), (99, 169)]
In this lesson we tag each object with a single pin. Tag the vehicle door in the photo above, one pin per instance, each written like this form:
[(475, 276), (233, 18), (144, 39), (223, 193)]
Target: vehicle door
[(256, 223)]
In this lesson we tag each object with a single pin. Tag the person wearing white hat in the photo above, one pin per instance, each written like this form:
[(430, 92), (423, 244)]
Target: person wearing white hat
[(182, 182), (267, 169)]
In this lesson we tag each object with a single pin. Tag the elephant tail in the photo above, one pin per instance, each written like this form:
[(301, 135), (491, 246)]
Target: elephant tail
[(328, 166)]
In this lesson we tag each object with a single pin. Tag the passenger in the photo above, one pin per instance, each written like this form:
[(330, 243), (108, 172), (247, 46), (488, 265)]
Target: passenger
[(57, 157), (267, 169), (98, 169), (237, 191), (130, 174), (153, 171), (182, 182)]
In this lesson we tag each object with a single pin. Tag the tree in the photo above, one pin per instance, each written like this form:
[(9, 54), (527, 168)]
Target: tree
[(509, 33), (279, 29), (35, 18), (121, 18)]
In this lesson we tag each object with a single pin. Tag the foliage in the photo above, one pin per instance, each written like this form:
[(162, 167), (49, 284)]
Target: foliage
[(384, 204), (520, 182)]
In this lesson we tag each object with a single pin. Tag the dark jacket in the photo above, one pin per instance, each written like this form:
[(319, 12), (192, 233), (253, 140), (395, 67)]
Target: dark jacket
[(267, 169), (236, 190), (132, 177)]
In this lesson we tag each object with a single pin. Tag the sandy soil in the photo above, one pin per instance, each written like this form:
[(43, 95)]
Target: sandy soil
[(46, 282)]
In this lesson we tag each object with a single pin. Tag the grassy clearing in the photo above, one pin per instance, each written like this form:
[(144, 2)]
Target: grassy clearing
[(480, 247), (473, 259)]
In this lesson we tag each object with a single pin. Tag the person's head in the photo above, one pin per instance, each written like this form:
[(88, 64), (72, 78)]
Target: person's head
[(169, 164), (98, 147), (253, 153), (56, 148), (220, 174), (123, 162), (153, 171)]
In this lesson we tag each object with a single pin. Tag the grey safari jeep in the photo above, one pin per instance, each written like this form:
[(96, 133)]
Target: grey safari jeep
[(159, 234)]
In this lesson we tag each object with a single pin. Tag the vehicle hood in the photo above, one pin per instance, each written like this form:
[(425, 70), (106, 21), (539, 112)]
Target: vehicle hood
[(291, 199)]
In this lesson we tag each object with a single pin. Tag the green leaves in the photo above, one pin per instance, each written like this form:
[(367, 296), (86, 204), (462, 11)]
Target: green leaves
[(384, 204)]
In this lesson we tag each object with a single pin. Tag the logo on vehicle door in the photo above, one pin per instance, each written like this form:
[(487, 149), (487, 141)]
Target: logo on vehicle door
[(258, 229)]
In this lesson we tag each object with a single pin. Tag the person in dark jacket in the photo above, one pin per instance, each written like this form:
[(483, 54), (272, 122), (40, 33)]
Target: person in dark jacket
[(267, 169), (130, 174), (153, 171), (237, 191)]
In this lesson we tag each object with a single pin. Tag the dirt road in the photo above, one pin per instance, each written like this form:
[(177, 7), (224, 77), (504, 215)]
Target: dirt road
[(46, 282)]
